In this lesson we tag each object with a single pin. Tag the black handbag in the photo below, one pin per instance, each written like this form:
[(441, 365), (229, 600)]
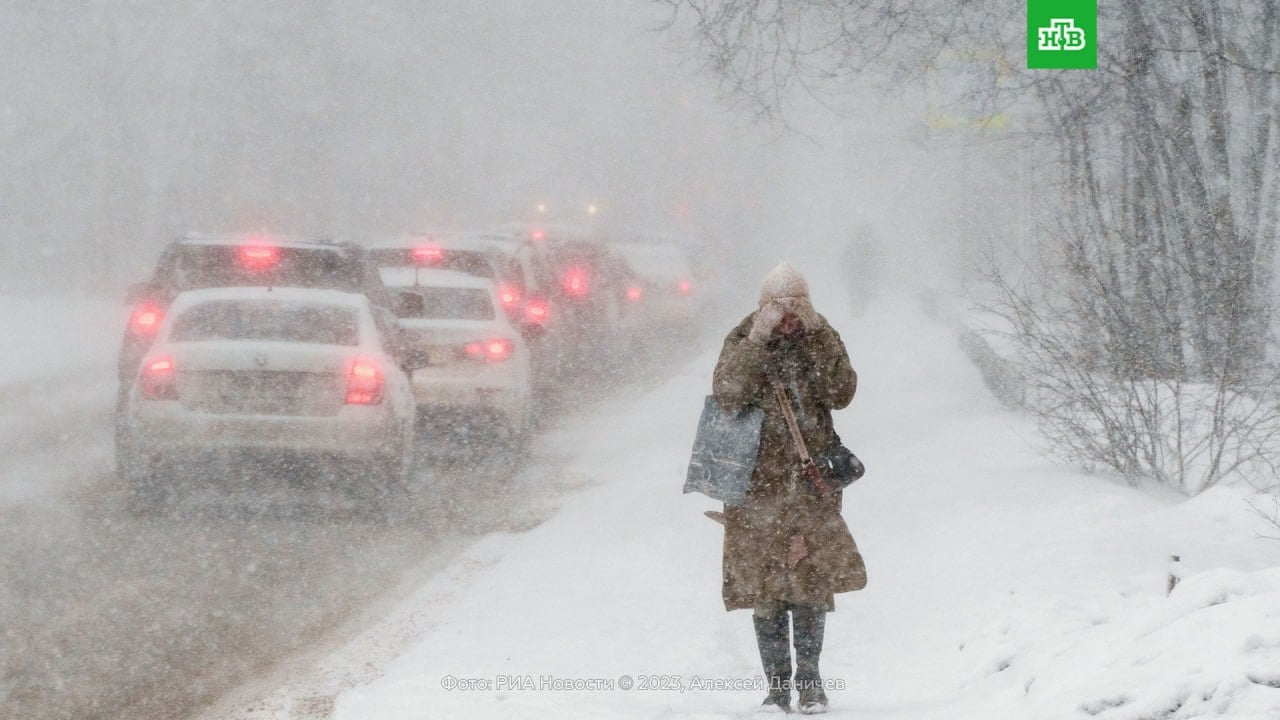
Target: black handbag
[(835, 468), (839, 465)]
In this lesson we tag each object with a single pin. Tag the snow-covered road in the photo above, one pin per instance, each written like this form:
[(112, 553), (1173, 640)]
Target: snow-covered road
[(1002, 586), (111, 615)]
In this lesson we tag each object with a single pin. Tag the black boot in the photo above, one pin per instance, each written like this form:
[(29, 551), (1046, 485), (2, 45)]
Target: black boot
[(810, 624), (775, 656)]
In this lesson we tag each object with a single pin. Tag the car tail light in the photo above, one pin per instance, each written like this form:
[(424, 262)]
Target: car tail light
[(365, 382), (157, 381), (259, 257), (428, 255), (145, 320), (509, 296), (575, 282), (634, 293), (493, 350), (684, 287), (538, 235), (536, 311)]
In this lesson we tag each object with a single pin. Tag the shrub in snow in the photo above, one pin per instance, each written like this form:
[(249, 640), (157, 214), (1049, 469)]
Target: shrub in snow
[(1164, 413)]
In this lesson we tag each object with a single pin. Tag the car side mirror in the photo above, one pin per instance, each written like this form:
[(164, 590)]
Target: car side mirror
[(410, 305), (138, 292)]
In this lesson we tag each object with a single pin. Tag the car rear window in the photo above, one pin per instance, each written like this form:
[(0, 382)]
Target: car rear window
[(206, 266), (440, 303), (470, 262), (273, 320)]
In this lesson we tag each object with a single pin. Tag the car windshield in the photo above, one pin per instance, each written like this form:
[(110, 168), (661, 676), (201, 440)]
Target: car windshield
[(441, 303), (267, 320), (204, 266)]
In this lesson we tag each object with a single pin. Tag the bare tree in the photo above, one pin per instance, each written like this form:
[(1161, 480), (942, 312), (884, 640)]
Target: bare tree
[(766, 51), (1159, 314), (1095, 406), (1171, 173)]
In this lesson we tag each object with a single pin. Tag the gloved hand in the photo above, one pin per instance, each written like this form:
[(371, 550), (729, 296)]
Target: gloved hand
[(803, 310), (766, 320)]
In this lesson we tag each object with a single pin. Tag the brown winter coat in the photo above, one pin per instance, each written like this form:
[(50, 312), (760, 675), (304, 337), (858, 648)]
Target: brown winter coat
[(760, 535)]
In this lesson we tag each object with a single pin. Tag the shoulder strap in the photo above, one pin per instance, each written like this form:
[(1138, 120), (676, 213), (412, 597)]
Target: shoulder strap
[(790, 415)]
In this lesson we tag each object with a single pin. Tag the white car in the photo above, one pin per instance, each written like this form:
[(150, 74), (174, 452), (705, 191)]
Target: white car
[(470, 360), (280, 372)]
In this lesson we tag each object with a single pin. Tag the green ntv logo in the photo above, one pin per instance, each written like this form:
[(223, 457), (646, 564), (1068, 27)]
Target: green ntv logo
[(1062, 34)]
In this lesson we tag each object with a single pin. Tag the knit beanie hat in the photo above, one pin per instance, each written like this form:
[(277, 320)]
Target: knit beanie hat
[(785, 286)]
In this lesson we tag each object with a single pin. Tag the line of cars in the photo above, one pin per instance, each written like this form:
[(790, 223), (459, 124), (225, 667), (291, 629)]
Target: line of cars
[(308, 353)]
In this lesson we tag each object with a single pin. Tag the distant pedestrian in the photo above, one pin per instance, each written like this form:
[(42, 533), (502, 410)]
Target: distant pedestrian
[(787, 550), (861, 258)]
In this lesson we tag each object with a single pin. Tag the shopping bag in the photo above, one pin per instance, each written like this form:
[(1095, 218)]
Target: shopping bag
[(724, 452)]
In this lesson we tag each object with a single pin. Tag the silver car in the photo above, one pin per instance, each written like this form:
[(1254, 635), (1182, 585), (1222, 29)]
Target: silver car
[(275, 372)]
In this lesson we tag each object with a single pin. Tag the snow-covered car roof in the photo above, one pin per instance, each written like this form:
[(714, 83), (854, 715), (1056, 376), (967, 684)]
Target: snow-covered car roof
[(286, 294), (254, 239), (451, 240), (407, 278)]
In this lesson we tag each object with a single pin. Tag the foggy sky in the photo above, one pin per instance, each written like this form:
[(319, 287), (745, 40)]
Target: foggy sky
[(126, 123)]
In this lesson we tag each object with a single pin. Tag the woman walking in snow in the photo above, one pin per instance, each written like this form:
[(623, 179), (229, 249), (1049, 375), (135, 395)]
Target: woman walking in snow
[(787, 550)]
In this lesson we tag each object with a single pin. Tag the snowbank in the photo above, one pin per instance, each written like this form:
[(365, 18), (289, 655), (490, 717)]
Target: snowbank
[(1211, 649)]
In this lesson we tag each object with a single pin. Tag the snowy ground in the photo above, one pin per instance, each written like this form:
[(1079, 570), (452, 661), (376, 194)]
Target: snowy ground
[(1002, 586), (56, 390)]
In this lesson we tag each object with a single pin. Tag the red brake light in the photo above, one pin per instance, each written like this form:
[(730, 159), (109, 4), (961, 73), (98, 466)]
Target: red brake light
[(145, 319), (575, 282), (684, 287), (496, 349), (536, 311), (509, 296), (634, 293), (259, 257), (364, 383), (428, 255), (538, 235), (157, 381)]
